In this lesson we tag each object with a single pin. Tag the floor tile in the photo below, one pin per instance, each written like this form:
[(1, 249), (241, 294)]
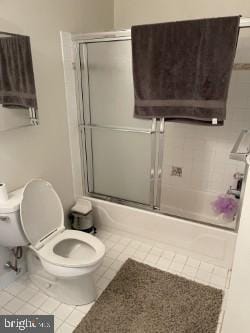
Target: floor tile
[(135, 244), (115, 238), (129, 250), (50, 305), (119, 247), (161, 246), (168, 254), (38, 299), (189, 271), (63, 311), (107, 261), (139, 255), (109, 274), (206, 267), (102, 283), (57, 323), (108, 245), (116, 265), (75, 317), (65, 328), (177, 267), (14, 305), (103, 234), (193, 262), (124, 256), (156, 251), (163, 263), (144, 247), (84, 308), (100, 271), (113, 253), (202, 275), (26, 309), (99, 292), (15, 288), (220, 271), (5, 297), (125, 241), (40, 312), (218, 281), (4, 312), (151, 259), (179, 258), (27, 294)]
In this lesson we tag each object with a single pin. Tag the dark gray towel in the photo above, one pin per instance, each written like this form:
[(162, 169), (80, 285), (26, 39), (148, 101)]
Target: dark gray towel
[(182, 69), (17, 84)]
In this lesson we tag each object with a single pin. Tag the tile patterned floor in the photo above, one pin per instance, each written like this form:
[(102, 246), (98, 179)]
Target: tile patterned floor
[(22, 297)]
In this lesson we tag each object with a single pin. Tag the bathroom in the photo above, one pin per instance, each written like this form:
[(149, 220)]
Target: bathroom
[(50, 151)]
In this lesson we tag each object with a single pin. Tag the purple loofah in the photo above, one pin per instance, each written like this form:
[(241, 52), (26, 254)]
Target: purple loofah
[(225, 205)]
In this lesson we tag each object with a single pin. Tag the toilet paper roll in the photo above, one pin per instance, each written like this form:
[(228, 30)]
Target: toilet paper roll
[(3, 192)]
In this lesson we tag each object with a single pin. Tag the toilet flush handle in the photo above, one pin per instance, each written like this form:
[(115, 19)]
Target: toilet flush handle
[(5, 219)]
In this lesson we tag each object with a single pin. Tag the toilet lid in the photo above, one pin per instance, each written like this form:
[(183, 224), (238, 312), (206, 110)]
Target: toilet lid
[(41, 210)]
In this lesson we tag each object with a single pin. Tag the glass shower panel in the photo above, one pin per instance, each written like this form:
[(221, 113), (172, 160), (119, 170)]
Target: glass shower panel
[(119, 148), (111, 85), (120, 163)]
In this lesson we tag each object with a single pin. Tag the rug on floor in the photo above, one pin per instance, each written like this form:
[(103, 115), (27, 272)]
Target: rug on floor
[(143, 299)]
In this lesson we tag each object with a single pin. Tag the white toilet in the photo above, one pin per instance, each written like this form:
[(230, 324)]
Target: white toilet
[(61, 262)]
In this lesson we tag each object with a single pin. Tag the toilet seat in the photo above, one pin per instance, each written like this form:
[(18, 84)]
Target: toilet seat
[(41, 212), (47, 252), (42, 219)]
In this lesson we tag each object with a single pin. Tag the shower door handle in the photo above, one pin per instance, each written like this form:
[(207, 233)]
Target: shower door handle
[(160, 163), (152, 174)]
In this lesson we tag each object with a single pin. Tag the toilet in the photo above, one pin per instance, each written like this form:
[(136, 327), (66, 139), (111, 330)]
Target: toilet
[(60, 261)]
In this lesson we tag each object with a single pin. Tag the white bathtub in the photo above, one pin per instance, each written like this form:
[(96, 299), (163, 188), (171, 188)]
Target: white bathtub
[(210, 244)]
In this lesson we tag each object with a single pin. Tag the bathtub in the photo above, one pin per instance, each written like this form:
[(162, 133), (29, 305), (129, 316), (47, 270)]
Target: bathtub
[(206, 243)]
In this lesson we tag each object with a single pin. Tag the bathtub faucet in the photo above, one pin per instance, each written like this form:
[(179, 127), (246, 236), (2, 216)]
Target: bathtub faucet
[(234, 192)]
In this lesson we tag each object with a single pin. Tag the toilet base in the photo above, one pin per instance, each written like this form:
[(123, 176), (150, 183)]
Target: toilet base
[(76, 291)]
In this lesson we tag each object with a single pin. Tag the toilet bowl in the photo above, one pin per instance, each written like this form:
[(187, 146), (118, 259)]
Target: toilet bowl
[(71, 254), (69, 257)]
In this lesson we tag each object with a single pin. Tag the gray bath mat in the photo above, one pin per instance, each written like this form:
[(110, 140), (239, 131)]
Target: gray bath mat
[(143, 299)]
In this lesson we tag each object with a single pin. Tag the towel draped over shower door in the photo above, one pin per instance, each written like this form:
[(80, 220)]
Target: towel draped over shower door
[(182, 69)]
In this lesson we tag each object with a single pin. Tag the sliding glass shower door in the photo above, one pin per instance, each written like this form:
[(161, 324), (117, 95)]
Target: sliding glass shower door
[(119, 149), (178, 169)]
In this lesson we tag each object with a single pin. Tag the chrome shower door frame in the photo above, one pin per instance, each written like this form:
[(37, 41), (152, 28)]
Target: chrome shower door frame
[(86, 127)]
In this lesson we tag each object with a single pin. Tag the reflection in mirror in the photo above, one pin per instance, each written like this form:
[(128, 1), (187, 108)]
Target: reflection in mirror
[(18, 103)]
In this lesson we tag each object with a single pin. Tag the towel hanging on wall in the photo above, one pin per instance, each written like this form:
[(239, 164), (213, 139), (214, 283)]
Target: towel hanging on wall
[(17, 84), (182, 69)]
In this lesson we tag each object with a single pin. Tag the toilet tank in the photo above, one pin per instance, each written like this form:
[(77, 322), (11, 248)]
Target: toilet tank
[(11, 232)]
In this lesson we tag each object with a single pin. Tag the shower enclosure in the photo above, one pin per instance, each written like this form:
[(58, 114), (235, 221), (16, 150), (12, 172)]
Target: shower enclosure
[(174, 169)]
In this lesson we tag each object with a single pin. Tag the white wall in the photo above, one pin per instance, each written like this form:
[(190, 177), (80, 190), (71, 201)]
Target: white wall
[(202, 152), (129, 12), (44, 151)]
